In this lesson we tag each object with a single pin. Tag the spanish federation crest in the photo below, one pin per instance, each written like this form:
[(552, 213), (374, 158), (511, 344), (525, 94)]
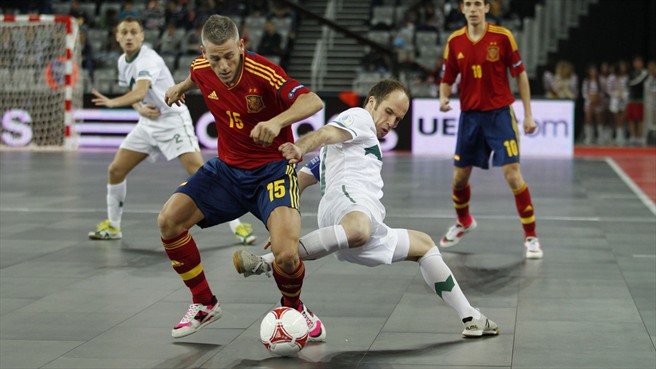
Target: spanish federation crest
[(254, 103), (492, 53)]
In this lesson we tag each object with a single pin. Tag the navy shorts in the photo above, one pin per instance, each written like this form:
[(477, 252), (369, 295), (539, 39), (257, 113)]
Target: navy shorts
[(223, 193), (481, 133)]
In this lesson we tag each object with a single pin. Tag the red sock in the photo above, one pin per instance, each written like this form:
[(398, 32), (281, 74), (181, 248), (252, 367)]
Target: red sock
[(461, 203), (525, 210), (185, 259), (290, 284)]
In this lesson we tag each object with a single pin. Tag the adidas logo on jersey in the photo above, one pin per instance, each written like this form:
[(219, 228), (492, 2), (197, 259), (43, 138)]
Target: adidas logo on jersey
[(460, 56), (213, 96)]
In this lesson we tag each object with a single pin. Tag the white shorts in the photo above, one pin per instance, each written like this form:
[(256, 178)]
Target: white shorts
[(618, 101), (617, 104), (386, 245), (154, 136)]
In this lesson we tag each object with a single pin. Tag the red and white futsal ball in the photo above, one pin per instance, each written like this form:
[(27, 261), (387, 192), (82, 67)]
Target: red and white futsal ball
[(284, 331)]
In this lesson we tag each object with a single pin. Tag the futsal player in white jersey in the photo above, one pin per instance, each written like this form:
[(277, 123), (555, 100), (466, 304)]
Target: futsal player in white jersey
[(161, 128), (351, 215)]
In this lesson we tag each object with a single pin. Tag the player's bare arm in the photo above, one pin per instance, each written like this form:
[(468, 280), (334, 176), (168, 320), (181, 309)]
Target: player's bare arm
[(326, 135), (525, 94), (176, 94), (132, 97), (304, 106), (445, 91)]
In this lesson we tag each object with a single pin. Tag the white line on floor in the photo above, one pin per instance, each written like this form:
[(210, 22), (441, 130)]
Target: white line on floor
[(629, 182), (396, 214)]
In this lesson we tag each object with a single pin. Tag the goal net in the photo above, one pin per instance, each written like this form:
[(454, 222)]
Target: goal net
[(40, 81)]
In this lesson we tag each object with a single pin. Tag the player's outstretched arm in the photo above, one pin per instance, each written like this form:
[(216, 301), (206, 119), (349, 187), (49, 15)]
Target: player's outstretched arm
[(304, 106), (176, 94), (134, 96), (326, 135)]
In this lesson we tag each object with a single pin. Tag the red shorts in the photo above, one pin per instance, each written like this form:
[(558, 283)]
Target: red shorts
[(634, 112)]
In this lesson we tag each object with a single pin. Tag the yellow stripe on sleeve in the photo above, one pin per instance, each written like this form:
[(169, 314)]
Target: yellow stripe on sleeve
[(265, 69), (505, 32), (271, 82)]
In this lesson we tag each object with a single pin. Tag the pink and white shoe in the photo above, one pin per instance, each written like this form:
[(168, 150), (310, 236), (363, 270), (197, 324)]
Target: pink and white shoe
[(455, 233), (316, 329), (197, 317)]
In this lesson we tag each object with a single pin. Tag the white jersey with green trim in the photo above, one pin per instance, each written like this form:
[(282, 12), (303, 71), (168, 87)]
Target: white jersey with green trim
[(147, 64), (351, 169)]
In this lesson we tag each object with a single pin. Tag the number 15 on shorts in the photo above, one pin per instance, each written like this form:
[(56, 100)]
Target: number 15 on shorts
[(276, 189)]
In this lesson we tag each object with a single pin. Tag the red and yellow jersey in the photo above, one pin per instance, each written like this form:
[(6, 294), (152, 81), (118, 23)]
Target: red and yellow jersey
[(483, 67), (262, 91)]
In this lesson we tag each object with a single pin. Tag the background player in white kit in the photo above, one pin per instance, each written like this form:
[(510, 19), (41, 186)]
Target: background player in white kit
[(161, 129), (351, 215)]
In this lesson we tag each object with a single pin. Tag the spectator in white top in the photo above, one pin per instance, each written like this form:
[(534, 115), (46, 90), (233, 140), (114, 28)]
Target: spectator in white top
[(619, 98), (565, 82), (592, 96), (606, 134)]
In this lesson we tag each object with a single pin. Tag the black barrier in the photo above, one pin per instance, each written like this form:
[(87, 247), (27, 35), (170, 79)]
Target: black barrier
[(399, 139)]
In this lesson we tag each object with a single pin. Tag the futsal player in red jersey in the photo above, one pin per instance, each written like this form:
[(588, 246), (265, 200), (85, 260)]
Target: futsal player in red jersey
[(483, 53), (254, 104)]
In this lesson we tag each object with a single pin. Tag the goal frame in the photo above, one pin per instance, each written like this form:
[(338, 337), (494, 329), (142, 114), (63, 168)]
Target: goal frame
[(70, 135)]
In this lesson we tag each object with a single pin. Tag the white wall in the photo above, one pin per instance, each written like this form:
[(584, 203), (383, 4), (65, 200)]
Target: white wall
[(434, 132)]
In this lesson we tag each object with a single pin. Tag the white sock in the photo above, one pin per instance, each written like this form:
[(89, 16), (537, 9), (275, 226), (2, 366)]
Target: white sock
[(268, 258), (233, 225), (588, 134), (439, 278), (322, 242), (115, 198), (619, 136), (317, 244)]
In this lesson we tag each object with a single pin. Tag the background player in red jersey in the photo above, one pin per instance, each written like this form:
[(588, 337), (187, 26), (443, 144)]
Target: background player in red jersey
[(482, 53), (254, 104)]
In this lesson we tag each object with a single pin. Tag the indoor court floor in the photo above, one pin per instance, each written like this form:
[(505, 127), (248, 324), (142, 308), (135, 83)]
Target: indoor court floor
[(69, 302)]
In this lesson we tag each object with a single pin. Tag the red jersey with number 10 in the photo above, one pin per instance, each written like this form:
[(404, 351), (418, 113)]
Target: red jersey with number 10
[(483, 67), (262, 91)]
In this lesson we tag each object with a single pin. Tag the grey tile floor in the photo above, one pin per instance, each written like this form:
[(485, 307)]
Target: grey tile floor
[(68, 302)]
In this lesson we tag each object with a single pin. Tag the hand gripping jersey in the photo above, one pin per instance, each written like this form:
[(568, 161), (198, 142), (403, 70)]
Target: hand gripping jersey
[(483, 67), (262, 91)]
